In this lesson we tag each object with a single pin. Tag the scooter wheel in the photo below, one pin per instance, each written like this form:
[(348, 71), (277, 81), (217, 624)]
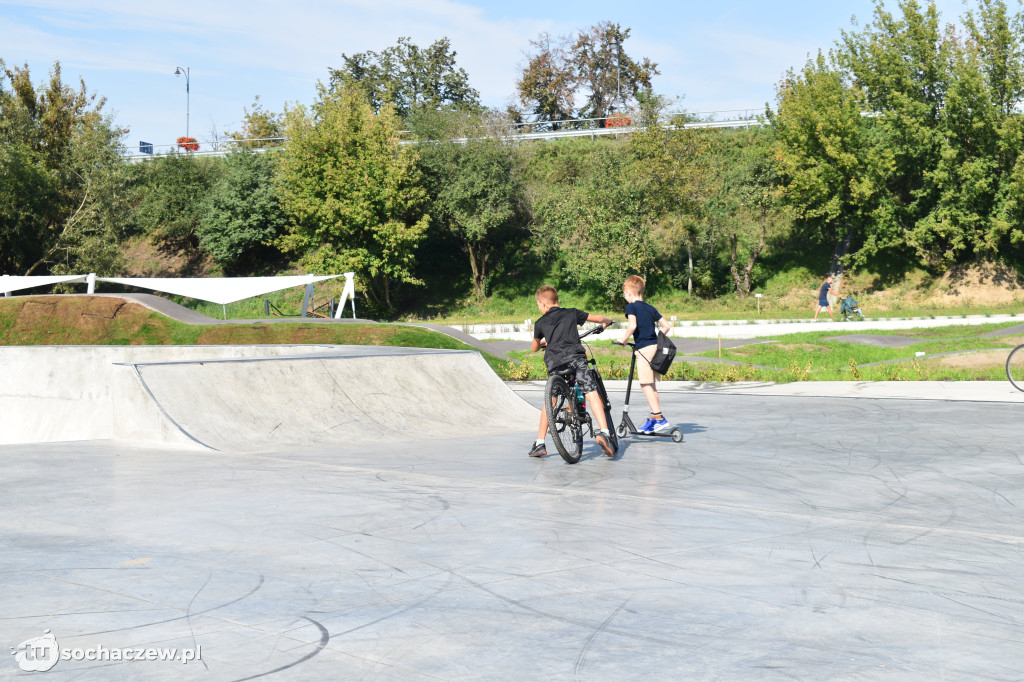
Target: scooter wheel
[(677, 435), (622, 431)]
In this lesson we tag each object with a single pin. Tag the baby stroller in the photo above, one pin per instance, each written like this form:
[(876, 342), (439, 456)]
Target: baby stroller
[(850, 308)]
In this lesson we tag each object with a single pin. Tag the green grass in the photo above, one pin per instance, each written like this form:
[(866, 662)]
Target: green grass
[(792, 357), (68, 325), (687, 308), (810, 357)]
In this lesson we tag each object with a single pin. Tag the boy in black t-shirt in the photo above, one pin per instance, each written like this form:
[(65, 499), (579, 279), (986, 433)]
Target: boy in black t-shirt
[(642, 317), (563, 350)]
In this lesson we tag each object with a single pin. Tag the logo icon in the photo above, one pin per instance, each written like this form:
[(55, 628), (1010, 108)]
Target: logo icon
[(38, 654)]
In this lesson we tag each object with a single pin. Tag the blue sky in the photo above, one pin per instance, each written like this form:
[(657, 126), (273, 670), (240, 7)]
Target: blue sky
[(716, 55)]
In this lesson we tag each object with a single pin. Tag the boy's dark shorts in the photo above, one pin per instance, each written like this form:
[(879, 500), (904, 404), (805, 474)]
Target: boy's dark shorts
[(585, 378)]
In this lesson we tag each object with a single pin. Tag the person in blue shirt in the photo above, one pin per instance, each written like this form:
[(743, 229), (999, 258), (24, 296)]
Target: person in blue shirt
[(642, 318), (823, 303)]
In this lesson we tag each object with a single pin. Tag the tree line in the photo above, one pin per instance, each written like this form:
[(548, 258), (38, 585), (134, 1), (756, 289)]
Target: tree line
[(903, 140), (906, 138)]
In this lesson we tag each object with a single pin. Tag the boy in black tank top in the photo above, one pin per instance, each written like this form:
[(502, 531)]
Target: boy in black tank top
[(562, 350)]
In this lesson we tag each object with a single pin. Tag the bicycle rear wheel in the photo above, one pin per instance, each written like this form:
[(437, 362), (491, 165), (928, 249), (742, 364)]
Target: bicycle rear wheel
[(1015, 368), (563, 423)]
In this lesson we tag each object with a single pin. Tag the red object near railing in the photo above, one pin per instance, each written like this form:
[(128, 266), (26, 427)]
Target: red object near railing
[(617, 121), (189, 143)]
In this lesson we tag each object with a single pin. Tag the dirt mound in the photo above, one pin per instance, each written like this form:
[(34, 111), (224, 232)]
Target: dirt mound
[(981, 285), (145, 258), (58, 320), (983, 360)]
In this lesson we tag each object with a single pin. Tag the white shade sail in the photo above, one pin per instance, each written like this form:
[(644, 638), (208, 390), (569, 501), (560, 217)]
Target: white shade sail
[(221, 290), (17, 283)]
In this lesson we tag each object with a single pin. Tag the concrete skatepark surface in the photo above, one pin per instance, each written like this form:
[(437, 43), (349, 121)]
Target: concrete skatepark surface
[(788, 537)]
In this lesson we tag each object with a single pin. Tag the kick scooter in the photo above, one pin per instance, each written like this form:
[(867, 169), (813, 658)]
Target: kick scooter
[(627, 427)]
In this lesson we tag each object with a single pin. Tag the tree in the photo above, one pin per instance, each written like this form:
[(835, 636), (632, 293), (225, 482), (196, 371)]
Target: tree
[(590, 217), (611, 77), (999, 40), (827, 155), (592, 64), (898, 64), (967, 172), (173, 191), (475, 194), (242, 215), (674, 169), (259, 124), (58, 156), (753, 216), (353, 192), (547, 86), (409, 78)]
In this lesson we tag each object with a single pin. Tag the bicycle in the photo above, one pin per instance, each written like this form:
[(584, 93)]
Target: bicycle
[(566, 409), (1015, 367)]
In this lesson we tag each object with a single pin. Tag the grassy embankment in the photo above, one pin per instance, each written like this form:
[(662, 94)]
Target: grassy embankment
[(55, 320), (810, 357), (794, 357)]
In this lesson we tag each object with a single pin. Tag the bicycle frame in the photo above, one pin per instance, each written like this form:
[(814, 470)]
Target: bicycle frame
[(579, 410)]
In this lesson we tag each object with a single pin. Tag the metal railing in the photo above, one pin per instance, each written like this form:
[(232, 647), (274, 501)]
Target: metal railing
[(581, 127)]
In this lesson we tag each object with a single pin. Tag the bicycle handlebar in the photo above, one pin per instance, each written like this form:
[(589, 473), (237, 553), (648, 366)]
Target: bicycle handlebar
[(595, 330)]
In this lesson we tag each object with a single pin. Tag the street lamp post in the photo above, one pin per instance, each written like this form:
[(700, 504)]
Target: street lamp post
[(178, 71)]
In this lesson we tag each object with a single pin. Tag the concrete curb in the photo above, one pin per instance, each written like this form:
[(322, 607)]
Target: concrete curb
[(972, 391)]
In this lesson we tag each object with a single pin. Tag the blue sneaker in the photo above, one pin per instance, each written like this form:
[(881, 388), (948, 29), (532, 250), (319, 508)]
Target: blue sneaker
[(648, 425), (659, 425)]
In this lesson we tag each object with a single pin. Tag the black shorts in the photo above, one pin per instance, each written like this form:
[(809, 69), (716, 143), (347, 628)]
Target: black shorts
[(585, 377)]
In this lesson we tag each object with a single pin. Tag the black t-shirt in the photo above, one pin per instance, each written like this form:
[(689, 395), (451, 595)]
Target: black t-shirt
[(647, 316), (558, 326)]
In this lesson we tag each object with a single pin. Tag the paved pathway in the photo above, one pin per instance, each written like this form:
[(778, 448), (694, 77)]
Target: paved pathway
[(751, 329)]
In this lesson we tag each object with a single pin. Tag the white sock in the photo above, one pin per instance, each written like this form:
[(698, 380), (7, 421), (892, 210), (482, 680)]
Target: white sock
[(538, 442), (605, 432)]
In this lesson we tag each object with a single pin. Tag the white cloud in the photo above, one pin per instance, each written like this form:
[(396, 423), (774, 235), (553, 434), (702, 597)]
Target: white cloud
[(127, 51)]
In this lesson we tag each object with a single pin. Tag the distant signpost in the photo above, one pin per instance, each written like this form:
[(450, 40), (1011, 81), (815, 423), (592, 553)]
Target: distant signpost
[(145, 147)]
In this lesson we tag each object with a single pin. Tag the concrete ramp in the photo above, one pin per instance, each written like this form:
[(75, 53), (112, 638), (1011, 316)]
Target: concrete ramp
[(252, 398), (283, 402)]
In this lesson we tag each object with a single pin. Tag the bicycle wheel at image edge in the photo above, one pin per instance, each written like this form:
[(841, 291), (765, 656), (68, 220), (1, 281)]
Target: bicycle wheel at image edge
[(1015, 368), (563, 424)]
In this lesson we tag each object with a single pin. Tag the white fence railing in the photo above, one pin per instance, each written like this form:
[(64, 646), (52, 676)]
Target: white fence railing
[(519, 131)]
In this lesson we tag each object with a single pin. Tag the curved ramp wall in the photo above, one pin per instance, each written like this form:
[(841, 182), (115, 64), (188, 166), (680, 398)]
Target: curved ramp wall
[(249, 397), (274, 403)]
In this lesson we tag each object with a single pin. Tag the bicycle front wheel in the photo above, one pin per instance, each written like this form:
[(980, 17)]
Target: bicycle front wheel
[(1015, 368), (563, 423)]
